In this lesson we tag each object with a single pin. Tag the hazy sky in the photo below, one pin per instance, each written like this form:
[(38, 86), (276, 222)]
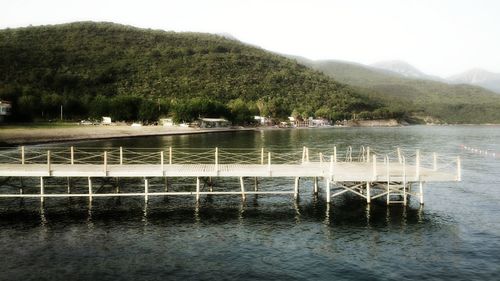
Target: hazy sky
[(440, 37)]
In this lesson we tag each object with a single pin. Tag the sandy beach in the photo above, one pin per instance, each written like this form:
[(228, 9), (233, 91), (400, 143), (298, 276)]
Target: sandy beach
[(32, 135)]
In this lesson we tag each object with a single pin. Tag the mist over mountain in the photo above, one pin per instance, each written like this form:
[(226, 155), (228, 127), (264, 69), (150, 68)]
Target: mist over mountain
[(479, 77), (403, 69)]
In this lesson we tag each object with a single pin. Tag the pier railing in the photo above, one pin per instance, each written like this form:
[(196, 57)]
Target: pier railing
[(264, 156)]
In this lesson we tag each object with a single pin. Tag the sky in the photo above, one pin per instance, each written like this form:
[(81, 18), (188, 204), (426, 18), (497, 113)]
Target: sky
[(440, 37)]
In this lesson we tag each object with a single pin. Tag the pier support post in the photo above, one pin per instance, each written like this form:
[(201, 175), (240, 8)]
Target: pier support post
[(242, 184), (162, 164), (374, 176), (368, 154), (170, 155), (146, 190), (417, 161), (166, 184), (105, 163), (434, 161), (121, 155), (335, 154), (217, 160), (262, 156), (405, 197), (399, 155), (296, 188), (315, 185), (368, 194), (459, 169), (388, 199), (49, 168), (256, 184), (421, 192), (90, 189), (328, 196), (42, 190), (117, 185), (197, 189), (72, 155), (22, 155), (68, 181), (269, 162)]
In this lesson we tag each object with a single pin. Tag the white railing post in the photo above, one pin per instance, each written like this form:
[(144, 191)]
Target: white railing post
[(170, 155), (22, 155), (459, 169), (262, 156), (417, 164), (307, 154), (434, 161), (374, 173), (72, 152), (368, 154), (321, 159), (121, 155)]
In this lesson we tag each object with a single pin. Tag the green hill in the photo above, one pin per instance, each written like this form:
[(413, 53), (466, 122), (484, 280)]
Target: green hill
[(421, 98), (96, 69)]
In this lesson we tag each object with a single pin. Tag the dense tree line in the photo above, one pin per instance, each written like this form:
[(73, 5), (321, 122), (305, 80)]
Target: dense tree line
[(100, 69)]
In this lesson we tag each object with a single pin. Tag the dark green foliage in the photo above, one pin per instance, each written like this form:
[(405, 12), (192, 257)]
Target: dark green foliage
[(101, 69)]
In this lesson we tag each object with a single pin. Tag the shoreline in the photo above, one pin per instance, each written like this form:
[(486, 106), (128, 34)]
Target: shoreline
[(27, 135), (31, 136)]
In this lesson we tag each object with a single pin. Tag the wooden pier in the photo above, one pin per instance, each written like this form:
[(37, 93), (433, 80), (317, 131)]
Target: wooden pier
[(394, 176)]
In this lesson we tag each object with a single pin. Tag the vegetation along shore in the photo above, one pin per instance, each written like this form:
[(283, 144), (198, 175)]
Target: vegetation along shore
[(88, 70)]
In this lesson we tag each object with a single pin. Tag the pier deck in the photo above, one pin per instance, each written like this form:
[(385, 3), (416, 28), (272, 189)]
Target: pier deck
[(368, 174)]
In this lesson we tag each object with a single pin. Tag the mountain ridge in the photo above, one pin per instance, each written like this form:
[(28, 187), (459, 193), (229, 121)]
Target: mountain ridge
[(95, 68)]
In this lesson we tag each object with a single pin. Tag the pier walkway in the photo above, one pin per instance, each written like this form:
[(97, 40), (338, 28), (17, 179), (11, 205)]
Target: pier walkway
[(395, 175)]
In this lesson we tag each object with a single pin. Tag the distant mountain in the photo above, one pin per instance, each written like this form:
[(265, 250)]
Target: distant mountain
[(403, 69), (479, 77), (424, 98)]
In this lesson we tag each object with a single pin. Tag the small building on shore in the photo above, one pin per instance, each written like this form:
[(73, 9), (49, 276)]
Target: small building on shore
[(5, 109), (214, 123), (262, 120)]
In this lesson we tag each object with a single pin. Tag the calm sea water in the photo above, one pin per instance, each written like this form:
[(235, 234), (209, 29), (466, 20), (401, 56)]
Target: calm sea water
[(456, 235)]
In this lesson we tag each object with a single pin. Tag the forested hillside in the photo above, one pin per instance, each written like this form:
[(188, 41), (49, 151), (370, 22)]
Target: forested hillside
[(98, 69), (418, 97)]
